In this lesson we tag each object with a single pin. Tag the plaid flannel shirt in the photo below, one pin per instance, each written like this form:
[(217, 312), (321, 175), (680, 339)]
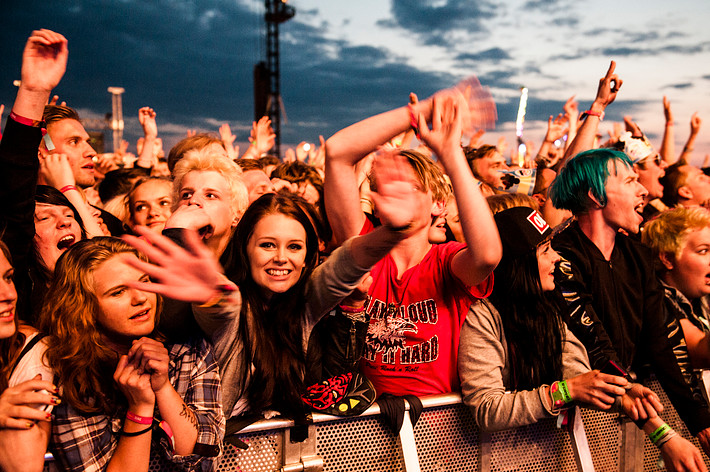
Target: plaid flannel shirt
[(83, 442)]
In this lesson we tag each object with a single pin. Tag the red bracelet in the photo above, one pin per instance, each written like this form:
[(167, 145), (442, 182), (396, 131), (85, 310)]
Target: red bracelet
[(413, 120), (139, 419), (66, 188), (352, 309), (598, 114), (26, 121)]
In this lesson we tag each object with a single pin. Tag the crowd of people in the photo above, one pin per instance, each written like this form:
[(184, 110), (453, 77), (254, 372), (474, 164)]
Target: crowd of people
[(149, 301)]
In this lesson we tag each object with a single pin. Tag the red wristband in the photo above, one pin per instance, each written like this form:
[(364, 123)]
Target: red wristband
[(413, 120), (26, 121), (139, 419), (66, 188), (598, 114)]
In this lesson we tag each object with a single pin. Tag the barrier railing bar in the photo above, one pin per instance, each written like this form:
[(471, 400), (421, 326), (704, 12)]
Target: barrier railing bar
[(580, 444)]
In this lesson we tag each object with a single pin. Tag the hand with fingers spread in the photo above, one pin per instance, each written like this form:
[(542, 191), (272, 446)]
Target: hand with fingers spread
[(228, 138), (396, 197), (444, 138), (262, 135), (18, 404), (571, 109), (596, 388), (556, 128), (190, 274)]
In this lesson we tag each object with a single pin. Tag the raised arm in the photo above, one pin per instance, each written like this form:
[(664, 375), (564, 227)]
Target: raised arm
[(146, 117), (483, 252), (667, 150), (609, 86), (344, 150), (695, 123)]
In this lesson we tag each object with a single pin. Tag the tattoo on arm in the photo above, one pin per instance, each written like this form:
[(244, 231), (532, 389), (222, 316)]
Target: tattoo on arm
[(190, 415)]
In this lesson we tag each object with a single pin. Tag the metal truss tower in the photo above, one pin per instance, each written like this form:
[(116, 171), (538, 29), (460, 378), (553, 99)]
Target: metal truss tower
[(267, 86)]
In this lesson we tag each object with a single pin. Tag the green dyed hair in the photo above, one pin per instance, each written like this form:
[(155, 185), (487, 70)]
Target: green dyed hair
[(584, 173)]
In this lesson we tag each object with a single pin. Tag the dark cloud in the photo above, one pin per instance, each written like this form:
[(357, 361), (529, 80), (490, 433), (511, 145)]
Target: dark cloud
[(493, 55), (193, 62), (435, 24)]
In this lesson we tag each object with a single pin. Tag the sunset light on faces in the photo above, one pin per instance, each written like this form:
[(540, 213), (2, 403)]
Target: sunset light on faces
[(546, 260), (151, 204), (8, 298), (277, 253), (56, 229), (70, 138), (209, 191), (124, 313), (690, 272), (625, 198)]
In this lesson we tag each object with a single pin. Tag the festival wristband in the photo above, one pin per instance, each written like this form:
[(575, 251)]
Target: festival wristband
[(169, 431), (139, 419), (560, 394), (66, 188), (224, 290), (413, 120), (659, 433), (352, 309), (598, 114), (136, 433), (26, 121), (665, 438)]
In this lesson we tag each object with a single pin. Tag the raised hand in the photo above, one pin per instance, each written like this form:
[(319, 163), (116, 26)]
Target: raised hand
[(44, 60), (397, 196), (262, 135), (225, 134), (444, 138), (631, 126), (596, 388), (302, 151), (667, 110), (152, 357), (146, 117), (190, 275), (609, 86), (16, 410), (695, 123), (557, 127), (571, 109)]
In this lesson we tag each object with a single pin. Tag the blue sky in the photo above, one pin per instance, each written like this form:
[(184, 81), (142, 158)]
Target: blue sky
[(343, 61)]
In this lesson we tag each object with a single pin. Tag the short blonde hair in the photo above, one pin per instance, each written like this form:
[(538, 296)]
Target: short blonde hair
[(208, 160), (667, 233)]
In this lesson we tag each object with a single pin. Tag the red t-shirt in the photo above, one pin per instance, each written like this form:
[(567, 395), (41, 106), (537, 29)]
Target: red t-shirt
[(414, 349)]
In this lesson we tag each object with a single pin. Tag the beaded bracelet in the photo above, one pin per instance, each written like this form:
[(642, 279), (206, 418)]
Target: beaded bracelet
[(559, 392)]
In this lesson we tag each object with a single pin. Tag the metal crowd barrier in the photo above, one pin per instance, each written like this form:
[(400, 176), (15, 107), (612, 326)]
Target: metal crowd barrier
[(446, 439)]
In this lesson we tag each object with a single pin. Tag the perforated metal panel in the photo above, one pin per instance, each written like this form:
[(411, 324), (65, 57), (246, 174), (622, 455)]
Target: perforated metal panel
[(604, 437), (263, 454), (447, 439), (361, 443), (535, 448), (651, 453)]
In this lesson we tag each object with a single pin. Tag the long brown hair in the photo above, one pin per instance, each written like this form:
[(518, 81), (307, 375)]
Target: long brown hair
[(10, 347), (274, 342), (76, 351)]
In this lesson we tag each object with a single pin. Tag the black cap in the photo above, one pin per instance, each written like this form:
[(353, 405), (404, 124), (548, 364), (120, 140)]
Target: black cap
[(521, 230)]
